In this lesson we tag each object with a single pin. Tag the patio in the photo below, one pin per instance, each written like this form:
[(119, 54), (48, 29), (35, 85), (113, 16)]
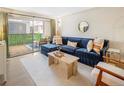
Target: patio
[(22, 49), (20, 44)]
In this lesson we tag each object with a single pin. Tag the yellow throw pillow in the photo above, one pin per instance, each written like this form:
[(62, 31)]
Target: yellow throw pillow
[(89, 45), (73, 44), (98, 44)]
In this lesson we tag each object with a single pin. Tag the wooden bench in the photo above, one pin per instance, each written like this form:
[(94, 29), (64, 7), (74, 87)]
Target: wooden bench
[(107, 74)]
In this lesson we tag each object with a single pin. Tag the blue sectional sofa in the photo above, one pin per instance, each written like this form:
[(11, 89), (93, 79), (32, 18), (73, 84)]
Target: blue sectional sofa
[(85, 57)]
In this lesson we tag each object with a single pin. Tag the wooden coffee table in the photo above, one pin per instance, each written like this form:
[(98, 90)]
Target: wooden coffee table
[(69, 60)]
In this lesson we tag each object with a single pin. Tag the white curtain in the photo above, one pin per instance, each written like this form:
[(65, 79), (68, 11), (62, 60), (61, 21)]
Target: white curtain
[(47, 29)]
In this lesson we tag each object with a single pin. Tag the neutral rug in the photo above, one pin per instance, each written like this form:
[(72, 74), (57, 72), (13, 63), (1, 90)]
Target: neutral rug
[(43, 74)]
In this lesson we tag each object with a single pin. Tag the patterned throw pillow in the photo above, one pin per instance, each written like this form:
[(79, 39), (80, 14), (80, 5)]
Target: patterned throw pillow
[(98, 44), (57, 39), (73, 44), (89, 45)]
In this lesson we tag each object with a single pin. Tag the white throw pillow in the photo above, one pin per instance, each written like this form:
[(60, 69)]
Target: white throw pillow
[(69, 43), (73, 44), (90, 45)]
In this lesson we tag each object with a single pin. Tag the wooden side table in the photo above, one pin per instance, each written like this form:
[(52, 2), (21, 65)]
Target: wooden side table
[(112, 55)]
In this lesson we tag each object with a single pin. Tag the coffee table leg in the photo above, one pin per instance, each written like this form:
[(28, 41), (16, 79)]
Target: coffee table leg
[(69, 70), (51, 60), (75, 68)]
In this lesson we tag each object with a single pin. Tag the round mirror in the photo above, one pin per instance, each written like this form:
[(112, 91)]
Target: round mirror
[(83, 26)]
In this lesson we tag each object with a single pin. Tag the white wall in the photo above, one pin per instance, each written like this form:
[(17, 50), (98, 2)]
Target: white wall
[(107, 23)]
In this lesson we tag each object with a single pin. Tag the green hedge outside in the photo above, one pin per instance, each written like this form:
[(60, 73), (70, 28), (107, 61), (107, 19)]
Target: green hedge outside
[(18, 39)]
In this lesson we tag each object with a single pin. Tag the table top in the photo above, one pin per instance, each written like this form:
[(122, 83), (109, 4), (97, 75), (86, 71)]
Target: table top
[(113, 50), (67, 58)]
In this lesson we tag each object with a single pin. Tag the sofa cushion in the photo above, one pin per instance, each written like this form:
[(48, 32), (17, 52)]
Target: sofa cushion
[(84, 50), (84, 42), (64, 40), (68, 49), (49, 47), (81, 50), (88, 58), (46, 48)]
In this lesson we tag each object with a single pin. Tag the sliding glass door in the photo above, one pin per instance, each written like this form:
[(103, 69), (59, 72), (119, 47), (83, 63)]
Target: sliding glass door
[(38, 30), (25, 33), (20, 35)]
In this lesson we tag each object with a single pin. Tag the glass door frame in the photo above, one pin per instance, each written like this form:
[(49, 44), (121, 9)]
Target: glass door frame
[(32, 33), (21, 14)]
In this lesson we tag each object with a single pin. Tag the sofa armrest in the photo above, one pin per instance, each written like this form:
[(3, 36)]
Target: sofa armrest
[(103, 51), (106, 46)]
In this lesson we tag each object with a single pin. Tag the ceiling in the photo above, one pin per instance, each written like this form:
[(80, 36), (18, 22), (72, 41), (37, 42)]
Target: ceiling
[(52, 11)]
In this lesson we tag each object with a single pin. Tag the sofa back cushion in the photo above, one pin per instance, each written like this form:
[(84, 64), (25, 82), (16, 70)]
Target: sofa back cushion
[(64, 40), (81, 42), (84, 42)]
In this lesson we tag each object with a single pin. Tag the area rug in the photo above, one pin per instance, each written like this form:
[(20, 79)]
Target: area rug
[(43, 74)]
